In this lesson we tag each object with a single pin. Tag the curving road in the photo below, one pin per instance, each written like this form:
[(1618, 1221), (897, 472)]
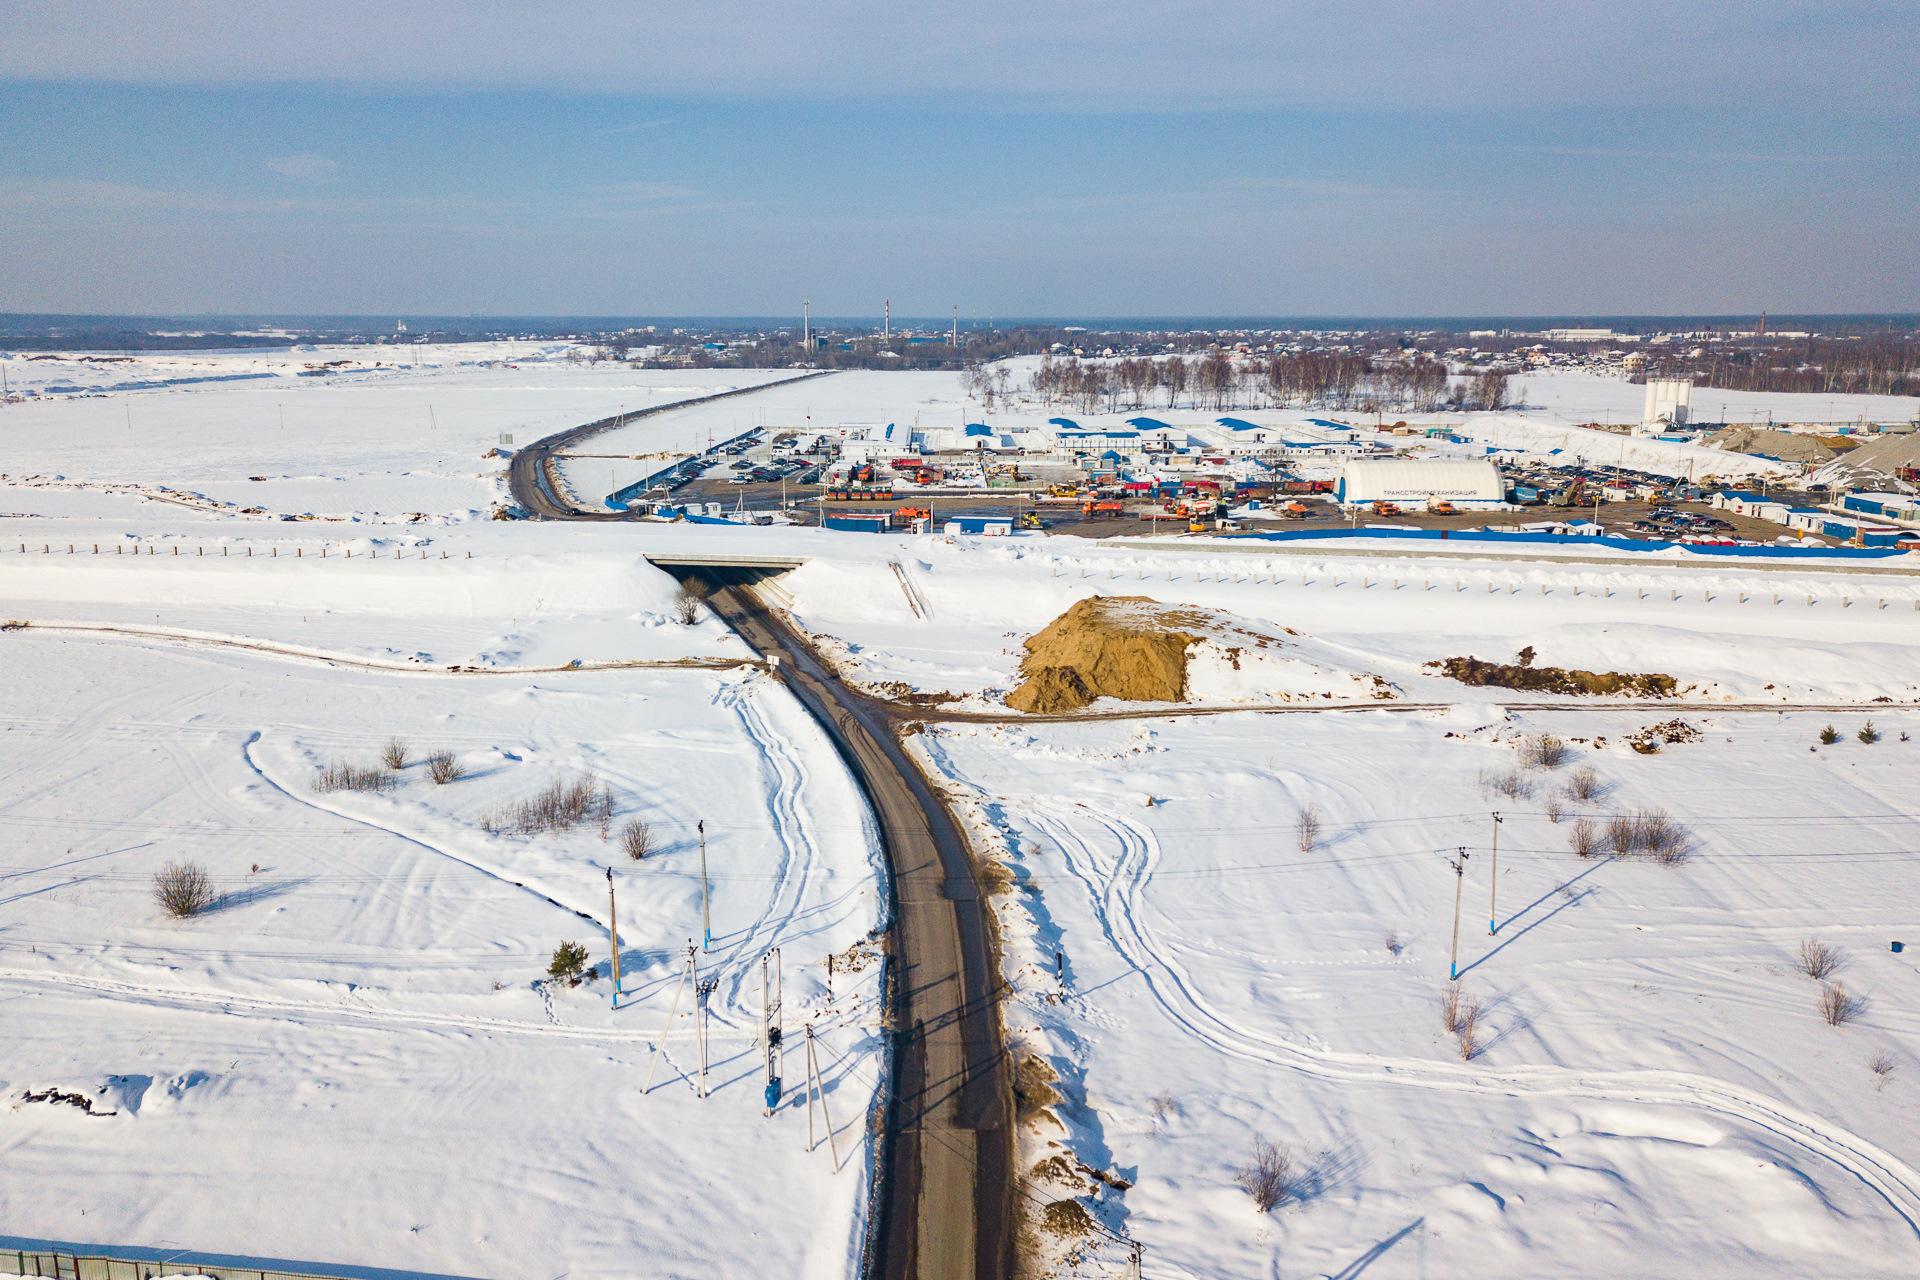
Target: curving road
[(948, 1213), (530, 473), (947, 1179)]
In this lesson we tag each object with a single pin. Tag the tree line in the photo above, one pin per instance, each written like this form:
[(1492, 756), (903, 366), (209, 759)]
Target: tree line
[(1310, 379), (1886, 367)]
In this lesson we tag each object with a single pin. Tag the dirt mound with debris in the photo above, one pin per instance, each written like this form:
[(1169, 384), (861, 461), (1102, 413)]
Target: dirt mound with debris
[(1788, 446), (1639, 684), (1126, 647)]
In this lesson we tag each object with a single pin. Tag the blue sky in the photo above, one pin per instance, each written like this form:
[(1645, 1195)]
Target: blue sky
[(1010, 159)]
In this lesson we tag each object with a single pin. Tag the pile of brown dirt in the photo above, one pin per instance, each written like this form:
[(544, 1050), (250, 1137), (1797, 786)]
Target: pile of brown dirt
[(1470, 670), (1104, 647)]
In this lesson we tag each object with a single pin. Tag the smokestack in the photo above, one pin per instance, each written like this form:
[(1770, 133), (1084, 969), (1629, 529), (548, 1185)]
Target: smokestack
[(886, 326)]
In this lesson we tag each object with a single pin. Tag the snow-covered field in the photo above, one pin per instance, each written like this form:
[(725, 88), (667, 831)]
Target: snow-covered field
[(364, 443), (354, 1045), (1723, 634), (1652, 1090)]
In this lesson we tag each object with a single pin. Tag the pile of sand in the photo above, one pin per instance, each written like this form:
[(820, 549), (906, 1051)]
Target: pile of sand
[(1104, 647), (1140, 650)]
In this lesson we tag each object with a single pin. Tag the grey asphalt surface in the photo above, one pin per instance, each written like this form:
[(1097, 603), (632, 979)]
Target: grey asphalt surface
[(947, 1211)]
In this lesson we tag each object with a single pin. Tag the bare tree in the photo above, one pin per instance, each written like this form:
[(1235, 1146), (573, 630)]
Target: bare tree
[(1307, 826)]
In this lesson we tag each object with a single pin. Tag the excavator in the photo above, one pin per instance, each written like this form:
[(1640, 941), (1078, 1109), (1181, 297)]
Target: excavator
[(1574, 495)]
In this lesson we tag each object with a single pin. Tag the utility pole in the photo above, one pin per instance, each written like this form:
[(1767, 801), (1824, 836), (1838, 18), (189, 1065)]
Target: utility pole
[(1493, 878), (703, 990), (820, 1092), (706, 915), (613, 936), (770, 1024), (1459, 882)]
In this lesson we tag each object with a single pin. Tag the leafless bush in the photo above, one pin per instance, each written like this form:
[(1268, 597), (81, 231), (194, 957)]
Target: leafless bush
[(443, 768), (1542, 751), (1836, 1006), (1307, 826), (562, 806), (341, 776), (1583, 839), (1461, 1014), (1817, 959), (1271, 1179), (1165, 1106), (1509, 784), (1469, 1025), (686, 601), (1881, 1064), (183, 889), (1583, 784), (394, 754), (1394, 945), (1555, 810), (637, 839), (1648, 833)]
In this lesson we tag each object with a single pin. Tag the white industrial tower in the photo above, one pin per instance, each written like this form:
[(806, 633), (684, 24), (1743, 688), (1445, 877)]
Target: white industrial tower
[(1668, 403)]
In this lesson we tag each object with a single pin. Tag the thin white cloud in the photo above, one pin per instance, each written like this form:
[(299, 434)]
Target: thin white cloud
[(1075, 54), (304, 167)]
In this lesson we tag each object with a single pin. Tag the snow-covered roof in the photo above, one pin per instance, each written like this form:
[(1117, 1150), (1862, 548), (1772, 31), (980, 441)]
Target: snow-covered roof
[(1371, 479)]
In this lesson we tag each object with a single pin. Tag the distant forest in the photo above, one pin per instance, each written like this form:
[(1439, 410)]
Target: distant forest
[(1868, 366)]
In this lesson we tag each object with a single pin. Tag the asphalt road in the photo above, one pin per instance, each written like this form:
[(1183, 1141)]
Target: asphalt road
[(947, 1208), (531, 482), (948, 1214)]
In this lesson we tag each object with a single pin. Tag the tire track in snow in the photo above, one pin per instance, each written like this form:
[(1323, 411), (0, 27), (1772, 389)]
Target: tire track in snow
[(411, 837), (1115, 887), (798, 852), (316, 1011)]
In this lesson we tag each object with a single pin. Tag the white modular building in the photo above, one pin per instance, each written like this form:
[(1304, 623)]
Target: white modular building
[(1420, 481)]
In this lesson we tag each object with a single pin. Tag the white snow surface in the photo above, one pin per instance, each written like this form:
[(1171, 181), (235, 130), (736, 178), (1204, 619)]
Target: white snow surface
[(1652, 1091), (354, 1045)]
